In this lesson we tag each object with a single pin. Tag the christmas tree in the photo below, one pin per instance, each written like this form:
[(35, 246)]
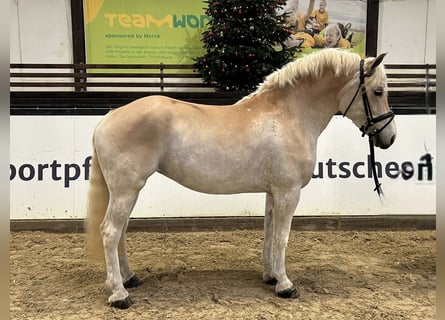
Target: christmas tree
[(244, 43)]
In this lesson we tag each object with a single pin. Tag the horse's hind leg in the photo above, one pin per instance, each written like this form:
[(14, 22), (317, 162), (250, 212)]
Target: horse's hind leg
[(112, 229), (129, 278)]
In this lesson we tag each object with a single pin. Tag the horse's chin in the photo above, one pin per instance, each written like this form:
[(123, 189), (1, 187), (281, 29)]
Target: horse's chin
[(384, 141)]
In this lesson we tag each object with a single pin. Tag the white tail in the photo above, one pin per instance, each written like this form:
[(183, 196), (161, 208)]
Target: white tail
[(98, 197)]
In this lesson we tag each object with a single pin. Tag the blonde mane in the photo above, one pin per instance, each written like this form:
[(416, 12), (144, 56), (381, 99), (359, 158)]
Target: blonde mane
[(338, 61)]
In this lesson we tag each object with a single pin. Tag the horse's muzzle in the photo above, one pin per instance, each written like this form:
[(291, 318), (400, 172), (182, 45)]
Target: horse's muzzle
[(384, 141)]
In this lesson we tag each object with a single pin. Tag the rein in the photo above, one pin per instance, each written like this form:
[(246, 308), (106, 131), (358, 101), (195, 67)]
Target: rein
[(370, 122)]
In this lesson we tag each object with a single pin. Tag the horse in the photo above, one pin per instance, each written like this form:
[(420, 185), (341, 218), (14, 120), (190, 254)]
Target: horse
[(264, 143)]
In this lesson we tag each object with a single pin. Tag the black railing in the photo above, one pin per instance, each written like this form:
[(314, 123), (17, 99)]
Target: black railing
[(412, 87), (84, 77), (97, 88)]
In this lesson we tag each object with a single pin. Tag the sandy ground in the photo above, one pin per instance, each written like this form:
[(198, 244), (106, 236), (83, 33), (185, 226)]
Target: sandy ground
[(217, 275)]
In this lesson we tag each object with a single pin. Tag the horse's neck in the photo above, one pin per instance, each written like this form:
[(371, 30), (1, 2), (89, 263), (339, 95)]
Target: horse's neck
[(312, 105)]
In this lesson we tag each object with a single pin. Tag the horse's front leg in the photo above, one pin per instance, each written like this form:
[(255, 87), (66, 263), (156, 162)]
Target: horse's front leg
[(267, 256), (285, 203)]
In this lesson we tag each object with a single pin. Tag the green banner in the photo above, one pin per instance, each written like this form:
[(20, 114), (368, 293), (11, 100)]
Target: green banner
[(144, 31)]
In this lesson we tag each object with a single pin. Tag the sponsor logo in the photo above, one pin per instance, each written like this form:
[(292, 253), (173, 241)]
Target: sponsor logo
[(67, 173), (421, 171), (148, 21)]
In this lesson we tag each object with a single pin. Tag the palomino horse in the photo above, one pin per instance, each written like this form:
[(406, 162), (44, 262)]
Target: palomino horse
[(266, 142)]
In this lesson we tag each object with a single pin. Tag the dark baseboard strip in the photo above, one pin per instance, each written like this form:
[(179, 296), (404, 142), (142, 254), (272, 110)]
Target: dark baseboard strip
[(306, 223)]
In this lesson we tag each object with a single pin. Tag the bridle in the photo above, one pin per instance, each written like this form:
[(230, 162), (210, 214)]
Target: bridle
[(370, 122)]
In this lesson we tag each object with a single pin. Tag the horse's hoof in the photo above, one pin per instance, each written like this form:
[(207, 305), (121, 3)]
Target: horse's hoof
[(270, 281), (122, 304), (290, 293), (133, 282)]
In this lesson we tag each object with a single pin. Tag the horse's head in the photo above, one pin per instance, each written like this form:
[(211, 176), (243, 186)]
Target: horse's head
[(364, 100)]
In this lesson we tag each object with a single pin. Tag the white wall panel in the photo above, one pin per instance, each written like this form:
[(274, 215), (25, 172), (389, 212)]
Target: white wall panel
[(50, 165), (44, 31), (407, 31)]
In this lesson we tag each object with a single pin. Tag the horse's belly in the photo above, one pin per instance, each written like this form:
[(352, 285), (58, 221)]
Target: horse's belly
[(221, 179), (220, 188)]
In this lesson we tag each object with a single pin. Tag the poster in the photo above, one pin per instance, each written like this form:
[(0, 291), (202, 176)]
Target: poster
[(319, 24), (140, 31), (169, 32)]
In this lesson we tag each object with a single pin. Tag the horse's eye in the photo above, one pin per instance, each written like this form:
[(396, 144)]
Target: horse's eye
[(378, 92)]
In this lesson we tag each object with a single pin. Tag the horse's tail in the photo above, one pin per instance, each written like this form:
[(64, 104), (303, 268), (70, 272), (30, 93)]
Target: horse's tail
[(98, 197)]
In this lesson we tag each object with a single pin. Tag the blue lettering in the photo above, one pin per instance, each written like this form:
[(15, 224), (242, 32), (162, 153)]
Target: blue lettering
[(331, 164), (23, 170), (12, 172), (68, 176), (70, 172), (320, 171), (54, 171), (392, 169), (355, 170), (40, 171), (427, 165), (407, 170), (346, 173)]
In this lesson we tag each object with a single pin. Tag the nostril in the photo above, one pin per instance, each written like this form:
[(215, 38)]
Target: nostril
[(393, 138)]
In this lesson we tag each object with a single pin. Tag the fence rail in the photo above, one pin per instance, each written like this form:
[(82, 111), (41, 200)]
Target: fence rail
[(96, 88), (84, 77)]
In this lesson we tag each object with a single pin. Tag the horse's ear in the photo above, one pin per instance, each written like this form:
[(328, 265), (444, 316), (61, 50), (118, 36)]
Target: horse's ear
[(378, 60)]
